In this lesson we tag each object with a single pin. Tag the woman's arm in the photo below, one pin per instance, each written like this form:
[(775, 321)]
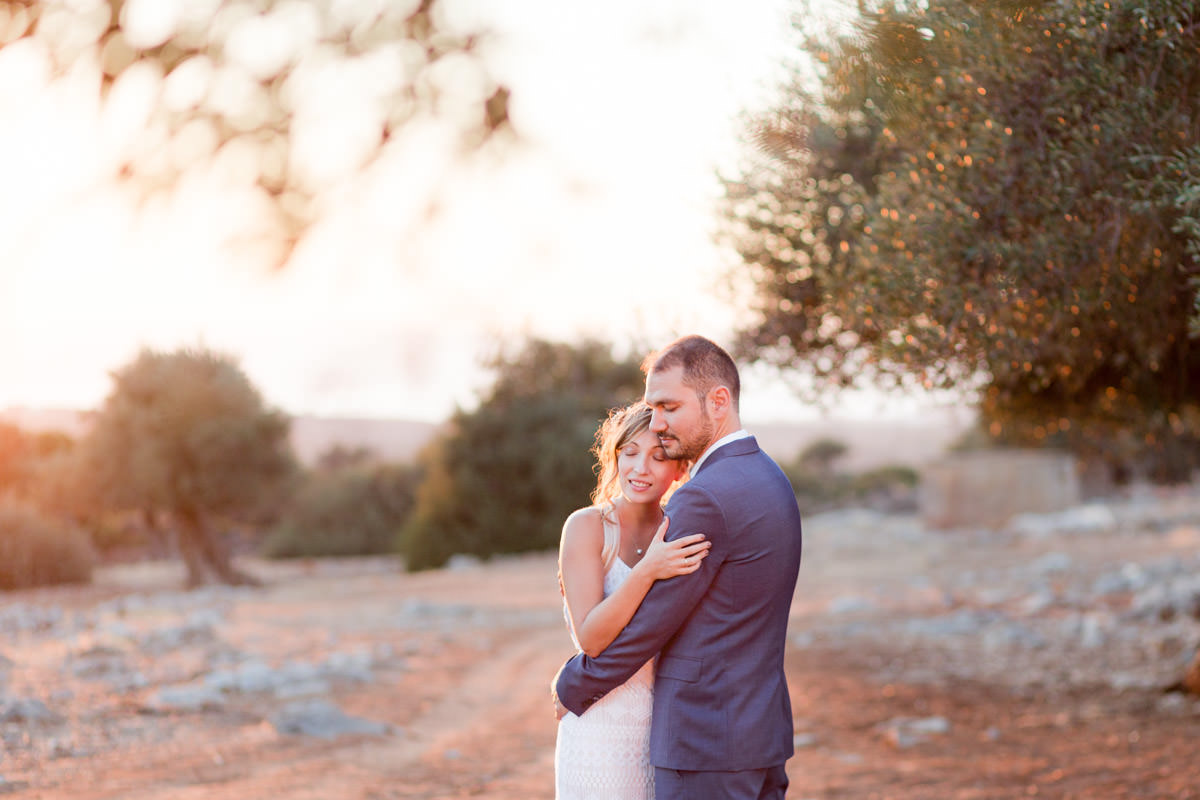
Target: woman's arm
[(596, 619)]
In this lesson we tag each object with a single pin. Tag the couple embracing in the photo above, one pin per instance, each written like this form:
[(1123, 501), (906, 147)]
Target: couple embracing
[(680, 613)]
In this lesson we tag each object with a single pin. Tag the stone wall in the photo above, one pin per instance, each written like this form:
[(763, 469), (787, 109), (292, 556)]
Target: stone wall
[(985, 489)]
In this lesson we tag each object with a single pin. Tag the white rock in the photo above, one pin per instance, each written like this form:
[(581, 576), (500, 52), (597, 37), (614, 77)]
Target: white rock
[(1092, 632), (324, 720), (185, 697), (352, 666), (803, 740), (1012, 635), (1173, 702), (849, 604), (195, 631), (309, 688), (253, 676), (1131, 680), (1037, 603), (27, 709), (463, 561), (1052, 562), (802, 640), (1093, 518), (905, 732)]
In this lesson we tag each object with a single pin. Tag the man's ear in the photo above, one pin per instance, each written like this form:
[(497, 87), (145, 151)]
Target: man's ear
[(720, 402)]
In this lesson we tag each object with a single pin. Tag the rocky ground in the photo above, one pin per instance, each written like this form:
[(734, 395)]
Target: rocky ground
[(1031, 661)]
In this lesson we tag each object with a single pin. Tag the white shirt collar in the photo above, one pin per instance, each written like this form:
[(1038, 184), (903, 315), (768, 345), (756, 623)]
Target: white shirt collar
[(724, 440)]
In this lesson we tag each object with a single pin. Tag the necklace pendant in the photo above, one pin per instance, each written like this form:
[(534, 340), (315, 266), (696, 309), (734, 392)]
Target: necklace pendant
[(639, 551)]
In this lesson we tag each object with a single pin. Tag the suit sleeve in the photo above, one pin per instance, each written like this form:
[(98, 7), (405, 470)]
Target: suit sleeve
[(583, 680)]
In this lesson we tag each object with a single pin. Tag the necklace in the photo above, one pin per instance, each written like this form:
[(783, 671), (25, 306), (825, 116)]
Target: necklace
[(642, 550)]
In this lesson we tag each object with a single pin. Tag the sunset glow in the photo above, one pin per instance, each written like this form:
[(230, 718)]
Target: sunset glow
[(598, 221)]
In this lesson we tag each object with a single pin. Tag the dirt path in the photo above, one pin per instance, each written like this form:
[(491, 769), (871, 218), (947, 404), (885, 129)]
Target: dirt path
[(459, 664), (1093, 745)]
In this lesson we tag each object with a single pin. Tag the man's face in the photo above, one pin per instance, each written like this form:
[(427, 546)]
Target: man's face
[(680, 418)]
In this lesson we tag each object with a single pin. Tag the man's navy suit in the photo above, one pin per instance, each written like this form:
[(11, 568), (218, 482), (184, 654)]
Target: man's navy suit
[(720, 694)]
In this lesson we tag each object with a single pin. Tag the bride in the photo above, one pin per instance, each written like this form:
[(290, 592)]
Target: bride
[(610, 554)]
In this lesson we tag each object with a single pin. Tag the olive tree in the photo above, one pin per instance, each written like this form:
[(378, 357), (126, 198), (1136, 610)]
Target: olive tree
[(997, 197), (187, 440)]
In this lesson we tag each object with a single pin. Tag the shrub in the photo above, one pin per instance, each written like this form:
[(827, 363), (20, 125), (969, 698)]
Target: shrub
[(890, 487), (503, 477), (821, 454), (887, 477), (351, 511), (39, 551)]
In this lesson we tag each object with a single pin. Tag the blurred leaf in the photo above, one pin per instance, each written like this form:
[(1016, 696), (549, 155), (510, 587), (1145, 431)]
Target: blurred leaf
[(251, 84)]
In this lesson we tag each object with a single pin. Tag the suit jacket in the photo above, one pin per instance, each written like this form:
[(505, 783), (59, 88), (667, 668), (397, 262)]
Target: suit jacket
[(720, 694)]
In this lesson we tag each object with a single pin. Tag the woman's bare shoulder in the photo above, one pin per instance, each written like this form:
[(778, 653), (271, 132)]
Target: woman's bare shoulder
[(584, 523)]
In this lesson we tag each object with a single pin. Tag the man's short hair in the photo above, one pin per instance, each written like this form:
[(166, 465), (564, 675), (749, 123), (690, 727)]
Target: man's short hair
[(705, 365)]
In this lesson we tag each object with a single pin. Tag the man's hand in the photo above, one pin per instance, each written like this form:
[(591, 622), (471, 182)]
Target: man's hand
[(560, 710)]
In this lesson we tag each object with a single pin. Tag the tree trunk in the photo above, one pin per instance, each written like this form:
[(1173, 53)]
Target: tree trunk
[(193, 559), (158, 536), (206, 556)]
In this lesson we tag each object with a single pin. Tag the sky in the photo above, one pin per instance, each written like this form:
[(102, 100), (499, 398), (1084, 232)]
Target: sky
[(598, 222)]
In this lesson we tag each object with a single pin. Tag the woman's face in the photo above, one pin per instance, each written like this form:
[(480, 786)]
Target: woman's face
[(644, 469)]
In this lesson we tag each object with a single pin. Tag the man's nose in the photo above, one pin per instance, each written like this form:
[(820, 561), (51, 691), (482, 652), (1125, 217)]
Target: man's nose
[(657, 423)]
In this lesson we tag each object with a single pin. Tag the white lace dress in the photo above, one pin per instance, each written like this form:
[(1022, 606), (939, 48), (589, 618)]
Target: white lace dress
[(605, 754)]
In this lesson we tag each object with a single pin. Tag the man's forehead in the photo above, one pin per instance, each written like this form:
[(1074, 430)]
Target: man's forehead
[(664, 384)]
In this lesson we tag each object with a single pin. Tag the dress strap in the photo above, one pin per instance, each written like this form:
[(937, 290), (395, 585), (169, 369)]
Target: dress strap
[(612, 535)]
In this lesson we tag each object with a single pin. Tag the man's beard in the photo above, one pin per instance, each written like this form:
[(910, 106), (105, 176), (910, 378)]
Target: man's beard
[(694, 446)]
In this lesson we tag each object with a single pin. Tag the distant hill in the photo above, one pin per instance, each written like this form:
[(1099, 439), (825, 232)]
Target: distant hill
[(390, 439), (870, 442), (68, 421)]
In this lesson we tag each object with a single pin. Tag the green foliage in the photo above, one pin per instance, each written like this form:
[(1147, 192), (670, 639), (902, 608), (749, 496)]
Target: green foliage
[(972, 440), (340, 456), (37, 468), (118, 536), (186, 433), (818, 488), (994, 196), (38, 551), (15, 453), (505, 476), (886, 477), (821, 454), (348, 511)]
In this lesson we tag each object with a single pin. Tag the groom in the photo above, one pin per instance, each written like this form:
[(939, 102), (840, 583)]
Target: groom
[(722, 725)]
